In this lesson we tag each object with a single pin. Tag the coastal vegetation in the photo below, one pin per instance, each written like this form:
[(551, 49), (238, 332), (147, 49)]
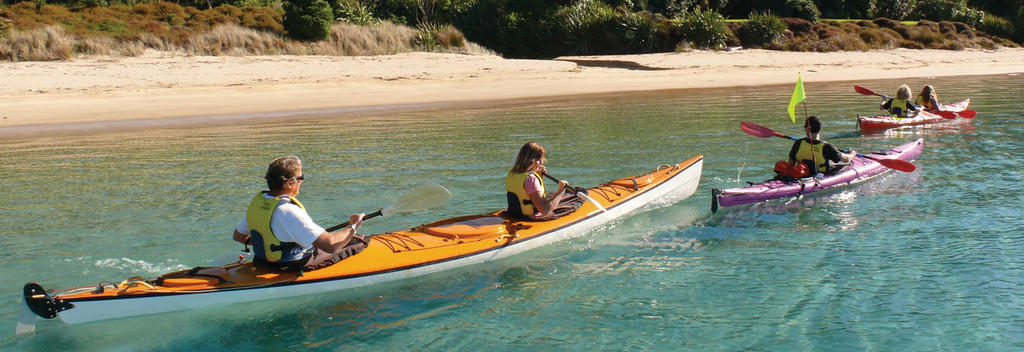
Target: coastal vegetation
[(60, 29)]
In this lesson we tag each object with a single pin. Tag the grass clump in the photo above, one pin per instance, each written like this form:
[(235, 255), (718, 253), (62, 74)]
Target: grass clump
[(703, 29), (762, 30), (231, 39), (42, 44)]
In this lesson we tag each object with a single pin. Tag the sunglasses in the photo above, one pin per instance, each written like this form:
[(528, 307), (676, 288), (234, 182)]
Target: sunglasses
[(300, 178)]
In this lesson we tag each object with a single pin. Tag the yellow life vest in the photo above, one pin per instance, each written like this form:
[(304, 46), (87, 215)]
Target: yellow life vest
[(519, 202), (812, 153), (266, 245), (898, 107), (927, 103)]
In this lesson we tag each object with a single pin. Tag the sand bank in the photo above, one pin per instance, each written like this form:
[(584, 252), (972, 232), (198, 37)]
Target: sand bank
[(37, 96)]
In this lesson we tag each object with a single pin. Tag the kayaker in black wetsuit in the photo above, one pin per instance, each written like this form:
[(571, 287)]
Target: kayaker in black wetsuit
[(819, 156)]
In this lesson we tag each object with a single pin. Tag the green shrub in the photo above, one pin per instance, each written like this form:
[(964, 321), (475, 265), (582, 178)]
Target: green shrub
[(307, 20), (354, 12), (947, 10), (432, 37), (936, 10), (894, 9), (1018, 25), (584, 25), (704, 29), (968, 15), (638, 29), (112, 27), (802, 9), (763, 29), (997, 26)]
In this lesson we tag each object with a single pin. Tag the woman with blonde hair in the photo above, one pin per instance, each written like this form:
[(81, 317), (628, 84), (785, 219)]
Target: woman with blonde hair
[(928, 99), (900, 106), (524, 185)]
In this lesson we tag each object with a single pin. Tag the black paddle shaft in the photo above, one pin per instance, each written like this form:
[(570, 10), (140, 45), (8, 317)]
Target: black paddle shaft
[(368, 216)]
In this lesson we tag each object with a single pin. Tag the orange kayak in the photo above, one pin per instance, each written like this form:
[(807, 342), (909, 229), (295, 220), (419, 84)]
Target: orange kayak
[(918, 117), (391, 256)]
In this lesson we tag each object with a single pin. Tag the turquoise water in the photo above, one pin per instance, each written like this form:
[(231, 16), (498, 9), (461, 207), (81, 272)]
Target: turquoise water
[(926, 261)]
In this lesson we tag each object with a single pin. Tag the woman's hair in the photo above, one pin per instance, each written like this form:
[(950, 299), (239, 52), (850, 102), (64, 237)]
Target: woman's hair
[(527, 154), (282, 169), (903, 92), (928, 93), (814, 123)]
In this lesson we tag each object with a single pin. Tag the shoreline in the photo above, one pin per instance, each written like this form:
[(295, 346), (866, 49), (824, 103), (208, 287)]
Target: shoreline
[(168, 90)]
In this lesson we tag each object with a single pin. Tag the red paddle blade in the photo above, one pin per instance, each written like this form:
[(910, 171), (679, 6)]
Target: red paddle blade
[(756, 130), (895, 164), (967, 114), (863, 90), (946, 114)]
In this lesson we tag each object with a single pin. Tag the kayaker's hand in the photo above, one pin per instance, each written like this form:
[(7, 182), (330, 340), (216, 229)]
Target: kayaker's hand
[(541, 170), (356, 221), (242, 238), (562, 185)]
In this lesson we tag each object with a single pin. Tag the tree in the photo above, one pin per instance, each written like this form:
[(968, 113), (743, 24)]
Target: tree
[(308, 20)]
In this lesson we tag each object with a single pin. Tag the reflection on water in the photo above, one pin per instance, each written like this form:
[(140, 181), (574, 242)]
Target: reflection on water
[(904, 262)]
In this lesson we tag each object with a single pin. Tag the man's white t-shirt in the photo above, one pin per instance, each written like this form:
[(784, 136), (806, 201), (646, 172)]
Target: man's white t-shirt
[(290, 224)]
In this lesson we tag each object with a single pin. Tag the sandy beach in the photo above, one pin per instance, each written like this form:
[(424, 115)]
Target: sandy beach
[(103, 92)]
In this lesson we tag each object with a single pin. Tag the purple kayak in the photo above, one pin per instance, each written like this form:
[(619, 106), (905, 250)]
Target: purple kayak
[(861, 169)]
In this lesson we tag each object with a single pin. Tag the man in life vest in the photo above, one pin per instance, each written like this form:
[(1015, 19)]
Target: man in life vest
[(819, 156), (900, 106), (524, 185), (282, 233)]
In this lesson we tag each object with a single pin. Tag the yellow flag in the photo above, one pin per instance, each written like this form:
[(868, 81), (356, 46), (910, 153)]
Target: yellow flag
[(798, 96)]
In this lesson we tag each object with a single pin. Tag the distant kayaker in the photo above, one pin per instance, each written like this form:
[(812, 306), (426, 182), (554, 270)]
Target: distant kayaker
[(524, 185), (928, 99), (819, 156), (900, 106), (282, 233)]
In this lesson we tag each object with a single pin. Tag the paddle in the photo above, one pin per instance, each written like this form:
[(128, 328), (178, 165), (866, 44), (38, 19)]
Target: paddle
[(943, 113), (967, 114), (765, 132), (581, 194), (419, 198)]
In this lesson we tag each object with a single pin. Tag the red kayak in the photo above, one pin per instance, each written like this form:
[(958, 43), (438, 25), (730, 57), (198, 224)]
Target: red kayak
[(918, 117)]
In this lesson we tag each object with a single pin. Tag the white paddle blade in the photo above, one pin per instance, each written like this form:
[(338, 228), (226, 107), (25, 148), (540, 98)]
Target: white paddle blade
[(419, 198)]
